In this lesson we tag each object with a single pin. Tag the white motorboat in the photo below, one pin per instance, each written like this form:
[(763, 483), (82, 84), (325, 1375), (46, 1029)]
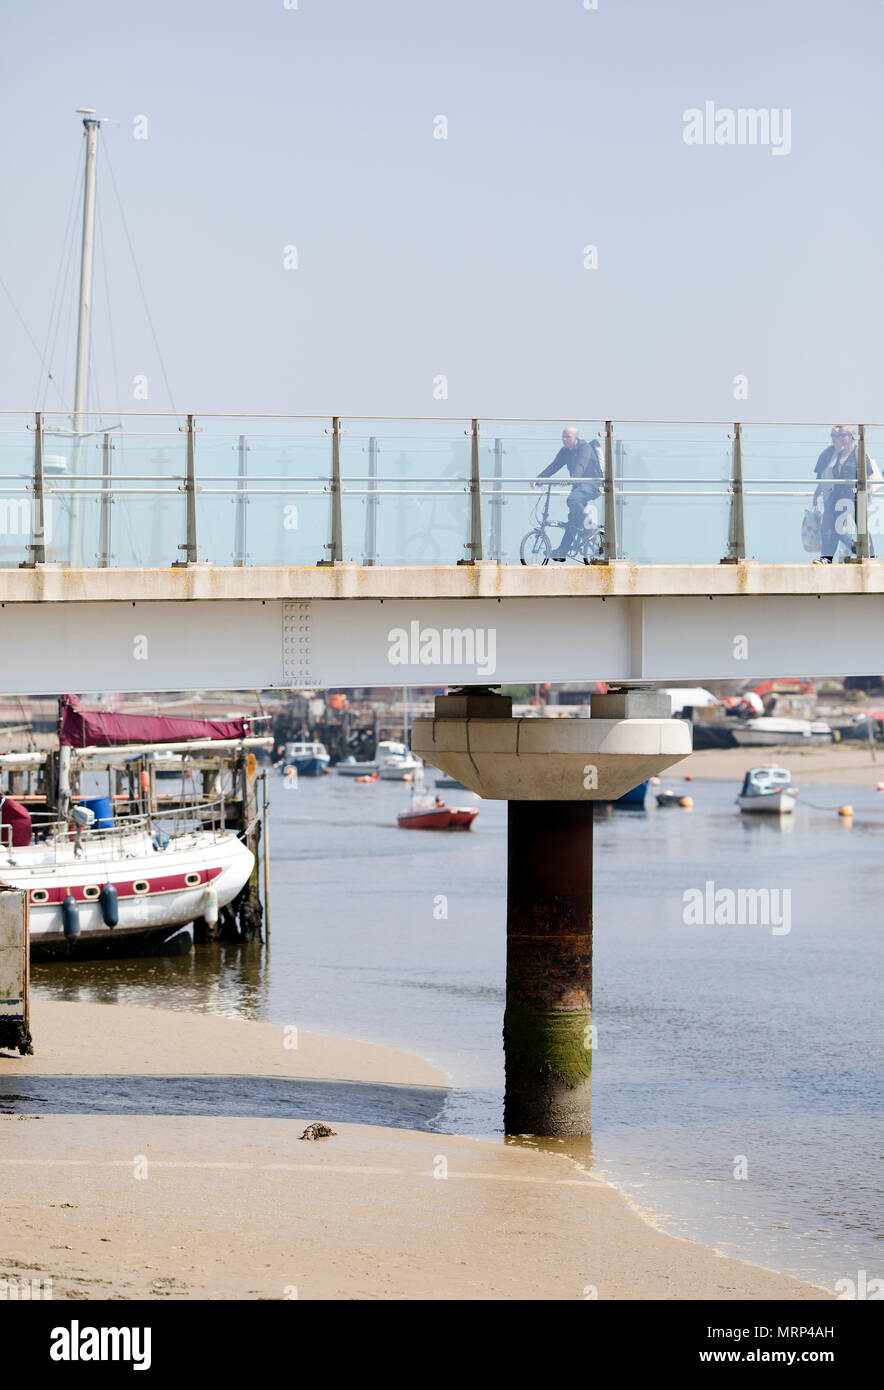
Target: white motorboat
[(769, 790), (768, 732), (353, 767), (396, 762)]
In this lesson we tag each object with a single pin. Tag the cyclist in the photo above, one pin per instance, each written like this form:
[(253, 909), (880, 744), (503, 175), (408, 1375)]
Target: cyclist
[(583, 461)]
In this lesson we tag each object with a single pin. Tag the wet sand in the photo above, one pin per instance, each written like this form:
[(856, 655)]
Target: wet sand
[(158, 1205), (832, 764)]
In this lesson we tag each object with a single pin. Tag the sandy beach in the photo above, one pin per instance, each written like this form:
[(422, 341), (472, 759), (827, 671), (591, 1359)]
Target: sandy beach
[(184, 1205), (831, 764)]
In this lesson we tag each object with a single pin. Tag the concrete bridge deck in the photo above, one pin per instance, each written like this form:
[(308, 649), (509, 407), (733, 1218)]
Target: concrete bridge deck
[(206, 627)]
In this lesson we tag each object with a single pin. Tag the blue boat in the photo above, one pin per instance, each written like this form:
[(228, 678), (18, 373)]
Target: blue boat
[(308, 759), (634, 797)]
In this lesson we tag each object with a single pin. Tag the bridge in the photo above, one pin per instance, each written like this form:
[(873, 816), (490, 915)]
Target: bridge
[(162, 552)]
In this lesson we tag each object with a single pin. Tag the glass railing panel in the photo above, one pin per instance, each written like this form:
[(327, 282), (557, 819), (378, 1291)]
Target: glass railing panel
[(875, 480), (17, 516), (780, 484), (113, 488), (672, 491), (524, 518), (405, 491), (264, 489)]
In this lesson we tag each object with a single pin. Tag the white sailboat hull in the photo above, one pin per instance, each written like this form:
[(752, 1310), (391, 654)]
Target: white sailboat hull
[(157, 890)]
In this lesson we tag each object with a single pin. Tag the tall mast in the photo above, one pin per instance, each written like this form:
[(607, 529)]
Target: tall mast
[(91, 125)]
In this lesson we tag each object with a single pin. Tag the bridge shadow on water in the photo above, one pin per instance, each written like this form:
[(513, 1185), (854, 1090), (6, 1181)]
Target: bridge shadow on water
[(231, 1097)]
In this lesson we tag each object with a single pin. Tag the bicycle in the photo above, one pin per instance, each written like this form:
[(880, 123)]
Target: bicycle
[(537, 546)]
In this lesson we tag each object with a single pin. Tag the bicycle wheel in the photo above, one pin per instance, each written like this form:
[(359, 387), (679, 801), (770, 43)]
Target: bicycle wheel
[(535, 548)]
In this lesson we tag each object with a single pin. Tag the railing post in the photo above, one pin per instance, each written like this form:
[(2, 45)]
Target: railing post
[(736, 536), (242, 501), (37, 546), (189, 489), (372, 501), (610, 551), (862, 499), (474, 544), (104, 532), (497, 502), (335, 546)]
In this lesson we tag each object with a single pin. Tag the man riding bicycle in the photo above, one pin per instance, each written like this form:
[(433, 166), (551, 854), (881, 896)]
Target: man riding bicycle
[(582, 460)]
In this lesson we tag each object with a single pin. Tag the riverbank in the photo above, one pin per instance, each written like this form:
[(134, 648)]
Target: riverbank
[(117, 1183), (827, 764)]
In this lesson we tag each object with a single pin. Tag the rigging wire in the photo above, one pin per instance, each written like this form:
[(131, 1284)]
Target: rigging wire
[(117, 403), (30, 337), (140, 283), (61, 279)]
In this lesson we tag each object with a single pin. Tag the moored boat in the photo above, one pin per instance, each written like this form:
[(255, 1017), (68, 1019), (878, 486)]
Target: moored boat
[(308, 759), (437, 816), (103, 883), (162, 879), (764, 732), (769, 790), (397, 763)]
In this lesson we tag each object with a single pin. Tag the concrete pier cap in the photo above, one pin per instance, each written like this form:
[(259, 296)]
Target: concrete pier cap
[(629, 737)]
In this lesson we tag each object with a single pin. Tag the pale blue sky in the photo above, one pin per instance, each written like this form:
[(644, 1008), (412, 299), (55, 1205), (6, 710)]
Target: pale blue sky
[(314, 127)]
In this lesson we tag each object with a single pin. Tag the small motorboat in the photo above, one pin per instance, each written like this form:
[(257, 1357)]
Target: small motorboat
[(307, 759), (437, 816), (397, 763), (768, 789), (668, 798), (361, 771)]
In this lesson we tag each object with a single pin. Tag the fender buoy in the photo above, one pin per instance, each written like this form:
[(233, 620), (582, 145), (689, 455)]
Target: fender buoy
[(70, 915), (145, 780), (210, 906), (110, 905)]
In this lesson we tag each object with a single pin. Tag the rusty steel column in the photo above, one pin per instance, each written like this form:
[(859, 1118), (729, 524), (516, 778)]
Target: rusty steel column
[(546, 1029)]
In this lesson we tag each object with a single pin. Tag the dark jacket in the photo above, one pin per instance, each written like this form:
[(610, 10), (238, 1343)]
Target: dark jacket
[(581, 462), (845, 471)]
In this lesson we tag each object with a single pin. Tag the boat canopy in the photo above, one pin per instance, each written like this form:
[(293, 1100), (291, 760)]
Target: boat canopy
[(103, 728), (761, 780)]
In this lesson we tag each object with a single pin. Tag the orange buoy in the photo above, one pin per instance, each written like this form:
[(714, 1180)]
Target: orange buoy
[(846, 811), (145, 780), (879, 786), (689, 777), (687, 802), (655, 781)]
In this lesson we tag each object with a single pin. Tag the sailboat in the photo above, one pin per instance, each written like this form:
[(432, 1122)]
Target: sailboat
[(100, 883)]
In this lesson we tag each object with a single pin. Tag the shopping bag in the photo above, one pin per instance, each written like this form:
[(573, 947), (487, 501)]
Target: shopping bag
[(811, 530)]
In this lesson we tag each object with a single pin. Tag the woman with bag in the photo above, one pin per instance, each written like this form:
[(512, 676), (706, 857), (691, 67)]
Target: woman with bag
[(832, 468)]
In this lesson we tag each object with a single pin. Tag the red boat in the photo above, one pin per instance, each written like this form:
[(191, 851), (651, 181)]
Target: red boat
[(437, 817)]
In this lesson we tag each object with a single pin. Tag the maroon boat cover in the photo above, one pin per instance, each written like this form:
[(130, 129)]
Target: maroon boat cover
[(15, 823), (102, 729)]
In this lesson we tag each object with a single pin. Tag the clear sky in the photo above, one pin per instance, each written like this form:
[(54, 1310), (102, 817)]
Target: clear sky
[(417, 257)]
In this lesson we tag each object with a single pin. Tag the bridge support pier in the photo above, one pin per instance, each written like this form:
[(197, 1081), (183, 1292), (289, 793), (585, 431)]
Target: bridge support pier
[(546, 1026), (550, 771)]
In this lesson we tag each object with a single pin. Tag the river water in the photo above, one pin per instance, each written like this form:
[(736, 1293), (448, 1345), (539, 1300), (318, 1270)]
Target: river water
[(737, 1070)]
